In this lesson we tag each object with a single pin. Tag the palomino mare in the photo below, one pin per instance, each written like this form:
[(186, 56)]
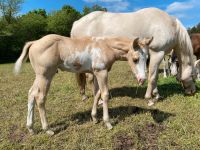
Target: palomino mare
[(75, 55), (168, 33)]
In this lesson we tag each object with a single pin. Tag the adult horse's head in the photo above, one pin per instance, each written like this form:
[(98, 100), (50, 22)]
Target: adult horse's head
[(137, 57), (189, 86), (187, 79)]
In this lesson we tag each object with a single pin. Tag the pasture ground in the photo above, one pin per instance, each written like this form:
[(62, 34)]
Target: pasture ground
[(173, 123)]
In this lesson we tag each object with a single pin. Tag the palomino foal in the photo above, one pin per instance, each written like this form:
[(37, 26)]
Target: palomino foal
[(74, 55)]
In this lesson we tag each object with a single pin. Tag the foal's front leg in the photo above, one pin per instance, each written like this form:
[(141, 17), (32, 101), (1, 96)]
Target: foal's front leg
[(102, 78)]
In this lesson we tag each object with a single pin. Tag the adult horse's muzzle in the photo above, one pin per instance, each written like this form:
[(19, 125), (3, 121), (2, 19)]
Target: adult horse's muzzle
[(189, 87), (141, 80)]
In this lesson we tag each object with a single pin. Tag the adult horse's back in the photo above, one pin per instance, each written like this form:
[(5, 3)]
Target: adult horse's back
[(167, 31)]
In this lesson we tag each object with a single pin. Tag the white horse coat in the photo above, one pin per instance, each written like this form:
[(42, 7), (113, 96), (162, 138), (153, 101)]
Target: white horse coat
[(167, 32)]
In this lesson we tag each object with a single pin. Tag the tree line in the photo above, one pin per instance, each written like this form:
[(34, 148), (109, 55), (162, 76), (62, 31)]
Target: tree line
[(16, 29)]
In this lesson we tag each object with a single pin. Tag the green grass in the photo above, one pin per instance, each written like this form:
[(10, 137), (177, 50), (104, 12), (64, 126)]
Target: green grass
[(173, 123)]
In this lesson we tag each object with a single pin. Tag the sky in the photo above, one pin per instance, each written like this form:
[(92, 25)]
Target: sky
[(188, 11)]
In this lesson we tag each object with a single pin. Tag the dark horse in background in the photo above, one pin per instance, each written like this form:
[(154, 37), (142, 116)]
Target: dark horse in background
[(195, 39)]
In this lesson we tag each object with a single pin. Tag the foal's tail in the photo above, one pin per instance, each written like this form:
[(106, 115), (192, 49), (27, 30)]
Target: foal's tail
[(185, 46), (23, 57)]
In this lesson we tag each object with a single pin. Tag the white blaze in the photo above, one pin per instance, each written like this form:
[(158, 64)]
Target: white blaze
[(141, 65)]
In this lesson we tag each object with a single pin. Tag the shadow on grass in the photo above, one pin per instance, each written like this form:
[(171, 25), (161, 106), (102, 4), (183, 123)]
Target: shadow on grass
[(59, 125), (121, 112), (165, 90), (117, 114)]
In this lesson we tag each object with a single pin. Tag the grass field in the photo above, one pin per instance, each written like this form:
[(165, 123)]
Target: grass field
[(173, 123)]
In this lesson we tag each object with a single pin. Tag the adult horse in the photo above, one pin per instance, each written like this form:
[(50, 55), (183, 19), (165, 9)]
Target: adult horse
[(195, 38), (168, 33)]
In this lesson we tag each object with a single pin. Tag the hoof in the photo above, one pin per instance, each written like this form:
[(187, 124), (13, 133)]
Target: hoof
[(49, 132), (151, 102), (109, 126), (31, 131), (100, 102), (95, 121), (147, 96), (84, 98), (158, 97)]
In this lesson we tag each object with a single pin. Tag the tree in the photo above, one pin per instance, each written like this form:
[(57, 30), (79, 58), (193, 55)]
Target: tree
[(41, 12), (28, 27), (9, 8), (60, 22), (87, 10), (195, 29)]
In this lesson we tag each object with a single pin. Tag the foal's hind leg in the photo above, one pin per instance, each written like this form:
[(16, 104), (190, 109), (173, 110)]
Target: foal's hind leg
[(31, 105), (38, 93), (43, 84), (97, 94), (81, 79)]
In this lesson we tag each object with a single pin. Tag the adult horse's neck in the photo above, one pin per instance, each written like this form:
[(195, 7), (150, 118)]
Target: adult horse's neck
[(184, 53), (120, 47)]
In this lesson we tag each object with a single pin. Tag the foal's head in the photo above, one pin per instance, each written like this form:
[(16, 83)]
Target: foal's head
[(137, 57)]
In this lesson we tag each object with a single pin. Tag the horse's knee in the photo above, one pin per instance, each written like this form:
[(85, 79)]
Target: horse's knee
[(40, 98), (105, 96), (152, 80)]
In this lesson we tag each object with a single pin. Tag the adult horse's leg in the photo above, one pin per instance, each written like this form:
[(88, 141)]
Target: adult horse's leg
[(164, 68), (155, 60), (81, 79), (102, 78)]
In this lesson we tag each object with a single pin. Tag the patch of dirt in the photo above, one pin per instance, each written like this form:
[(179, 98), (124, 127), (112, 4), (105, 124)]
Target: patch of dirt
[(16, 136), (148, 135), (122, 141)]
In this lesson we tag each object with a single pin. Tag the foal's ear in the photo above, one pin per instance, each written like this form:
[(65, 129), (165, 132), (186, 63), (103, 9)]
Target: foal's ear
[(148, 40), (136, 43)]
